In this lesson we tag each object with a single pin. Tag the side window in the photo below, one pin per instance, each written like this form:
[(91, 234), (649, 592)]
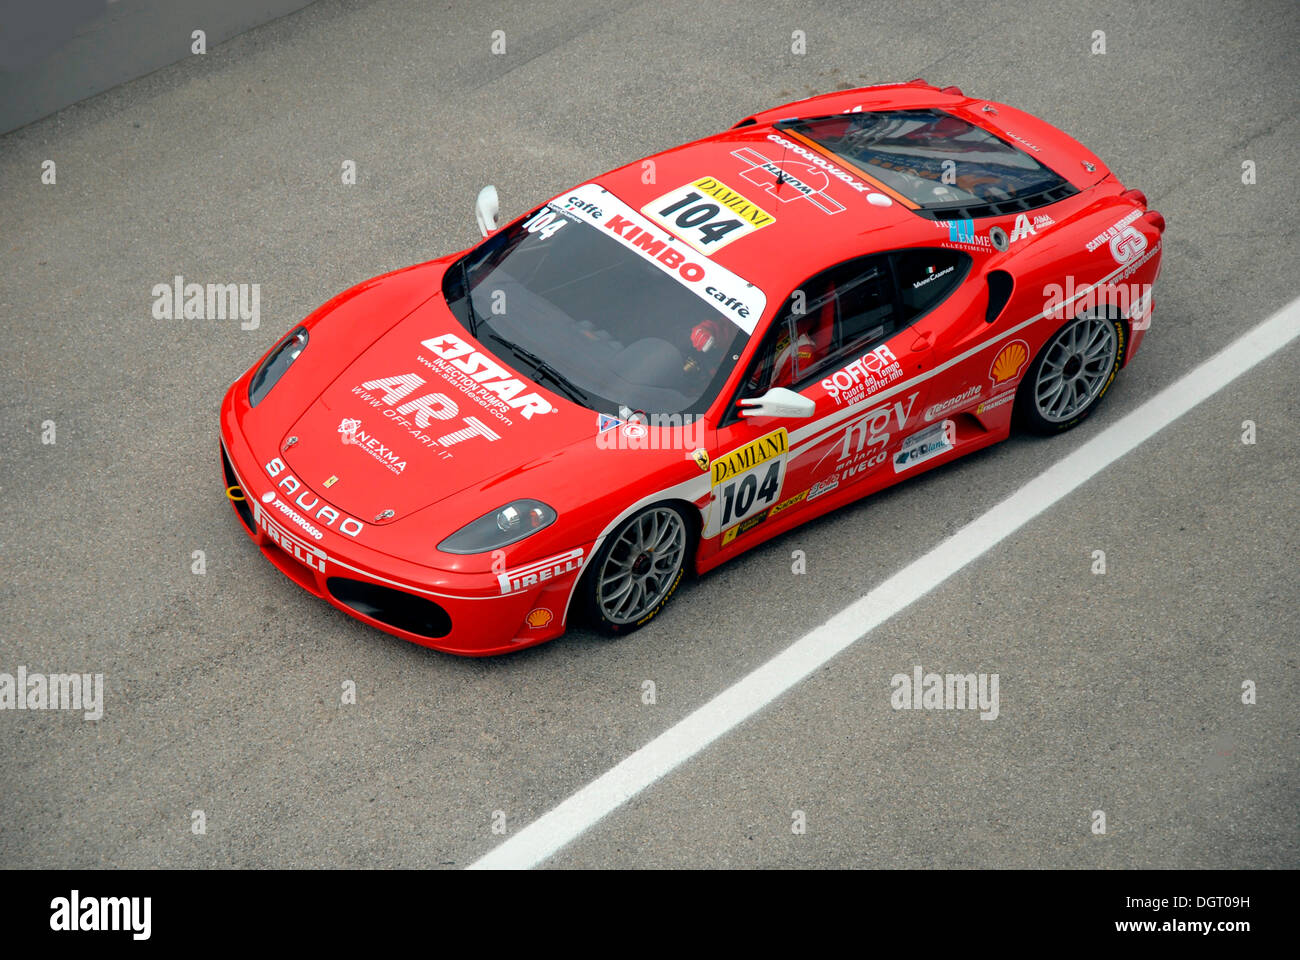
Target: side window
[(802, 336), (926, 276), (776, 348), (813, 315), (867, 313), (862, 311), (840, 314)]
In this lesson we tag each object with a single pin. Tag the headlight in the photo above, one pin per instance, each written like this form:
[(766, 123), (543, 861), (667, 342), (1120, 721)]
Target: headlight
[(503, 526), (273, 367)]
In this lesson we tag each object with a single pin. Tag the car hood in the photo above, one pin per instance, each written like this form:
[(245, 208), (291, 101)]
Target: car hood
[(421, 414)]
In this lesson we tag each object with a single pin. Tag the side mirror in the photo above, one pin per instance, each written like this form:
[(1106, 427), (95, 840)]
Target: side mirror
[(486, 208), (778, 402)]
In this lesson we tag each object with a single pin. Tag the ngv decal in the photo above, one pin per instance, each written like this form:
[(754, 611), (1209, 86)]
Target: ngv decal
[(874, 427)]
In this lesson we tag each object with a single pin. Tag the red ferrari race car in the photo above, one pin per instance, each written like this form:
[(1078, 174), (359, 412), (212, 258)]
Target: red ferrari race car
[(678, 360)]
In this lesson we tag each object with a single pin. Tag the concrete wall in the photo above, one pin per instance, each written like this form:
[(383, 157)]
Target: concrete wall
[(56, 52)]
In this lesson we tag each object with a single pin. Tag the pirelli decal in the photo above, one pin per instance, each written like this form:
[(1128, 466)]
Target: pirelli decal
[(536, 574)]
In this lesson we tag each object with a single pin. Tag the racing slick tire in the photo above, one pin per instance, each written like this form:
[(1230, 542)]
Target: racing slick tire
[(637, 569), (1071, 374)]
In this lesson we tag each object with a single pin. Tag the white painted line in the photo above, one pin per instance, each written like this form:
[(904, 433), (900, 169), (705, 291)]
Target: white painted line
[(553, 830)]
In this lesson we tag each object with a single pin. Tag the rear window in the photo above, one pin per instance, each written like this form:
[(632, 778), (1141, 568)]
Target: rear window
[(937, 161)]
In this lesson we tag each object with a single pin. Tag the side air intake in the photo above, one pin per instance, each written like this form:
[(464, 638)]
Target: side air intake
[(1000, 285)]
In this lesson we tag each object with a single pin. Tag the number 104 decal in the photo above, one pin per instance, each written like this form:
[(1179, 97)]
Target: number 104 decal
[(747, 480), (707, 214)]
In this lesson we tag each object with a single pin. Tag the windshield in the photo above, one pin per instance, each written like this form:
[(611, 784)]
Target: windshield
[(931, 157), (587, 292)]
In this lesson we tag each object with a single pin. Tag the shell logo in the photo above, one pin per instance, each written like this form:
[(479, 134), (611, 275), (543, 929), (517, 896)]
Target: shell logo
[(1008, 363), (538, 617)]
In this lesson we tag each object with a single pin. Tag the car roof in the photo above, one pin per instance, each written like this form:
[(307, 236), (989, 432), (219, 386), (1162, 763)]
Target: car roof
[(825, 210), (819, 218)]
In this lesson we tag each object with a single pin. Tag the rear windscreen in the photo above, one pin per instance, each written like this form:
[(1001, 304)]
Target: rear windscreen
[(934, 159)]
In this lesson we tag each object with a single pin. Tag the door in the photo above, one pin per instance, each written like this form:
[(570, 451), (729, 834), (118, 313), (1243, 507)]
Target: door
[(841, 338)]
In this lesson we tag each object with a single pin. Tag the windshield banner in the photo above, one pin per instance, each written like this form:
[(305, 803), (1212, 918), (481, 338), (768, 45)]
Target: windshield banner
[(737, 300)]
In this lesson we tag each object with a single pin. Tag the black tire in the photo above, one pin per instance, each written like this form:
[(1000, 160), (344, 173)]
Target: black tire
[(618, 561), (1066, 359)]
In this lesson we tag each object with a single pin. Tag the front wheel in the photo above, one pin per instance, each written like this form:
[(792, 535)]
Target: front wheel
[(637, 570), (1071, 374)]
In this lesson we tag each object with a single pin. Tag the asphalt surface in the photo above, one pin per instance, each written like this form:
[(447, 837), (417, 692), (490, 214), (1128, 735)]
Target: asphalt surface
[(1119, 692)]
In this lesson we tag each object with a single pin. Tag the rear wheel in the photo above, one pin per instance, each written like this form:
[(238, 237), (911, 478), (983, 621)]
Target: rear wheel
[(637, 570), (1071, 374)]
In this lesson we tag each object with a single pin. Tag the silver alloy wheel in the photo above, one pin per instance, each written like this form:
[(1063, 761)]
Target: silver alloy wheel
[(1075, 368), (642, 566)]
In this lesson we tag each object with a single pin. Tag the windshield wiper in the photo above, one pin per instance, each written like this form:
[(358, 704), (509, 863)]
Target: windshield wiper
[(544, 369), (469, 297)]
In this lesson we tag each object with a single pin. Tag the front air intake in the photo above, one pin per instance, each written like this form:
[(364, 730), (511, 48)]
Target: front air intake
[(396, 608)]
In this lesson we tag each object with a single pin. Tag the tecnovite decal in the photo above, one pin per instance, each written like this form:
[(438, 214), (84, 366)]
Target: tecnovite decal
[(738, 300), (953, 403)]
